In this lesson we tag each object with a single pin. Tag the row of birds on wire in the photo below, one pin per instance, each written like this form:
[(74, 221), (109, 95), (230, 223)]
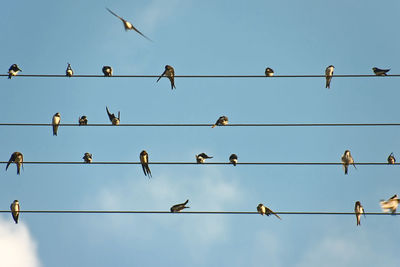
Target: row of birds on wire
[(389, 205)]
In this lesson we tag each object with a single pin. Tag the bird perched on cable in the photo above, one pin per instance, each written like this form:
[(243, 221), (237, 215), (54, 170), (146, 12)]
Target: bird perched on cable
[(128, 25), (347, 159), (200, 158), (328, 75), (263, 210), (169, 72), (107, 71), (222, 121), (83, 120), (114, 120), (390, 204), (13, 70), (380, 72), (179, 207), (233, 159), (269, 72), (358, 210), (87, 157), (56, 122), (15, 210), (18, 159), (69, 72), (391, 159), (144, 160)]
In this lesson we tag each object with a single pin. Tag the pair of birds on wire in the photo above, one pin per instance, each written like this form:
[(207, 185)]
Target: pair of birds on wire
[(347, 159), (201, 158), (389, 205)]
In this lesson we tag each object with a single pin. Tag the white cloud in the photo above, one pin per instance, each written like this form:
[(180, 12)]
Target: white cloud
[(17, 248)]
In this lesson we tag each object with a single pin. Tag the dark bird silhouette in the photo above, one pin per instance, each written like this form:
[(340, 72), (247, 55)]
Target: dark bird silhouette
[(233, 159), (87, 157), (391, 159), (69, 72), (107, 71), (179, 207), (222, 121), (269, 72), (380, 72), (200, 158), (83, 120), (13, 71)]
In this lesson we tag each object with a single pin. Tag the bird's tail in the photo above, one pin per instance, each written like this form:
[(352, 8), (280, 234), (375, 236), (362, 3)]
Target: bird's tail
[(187, 201), (354, 166), (18, 168), (213, 126)]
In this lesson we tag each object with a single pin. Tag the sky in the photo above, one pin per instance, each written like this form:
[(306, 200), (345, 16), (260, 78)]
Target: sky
[(200, 37)]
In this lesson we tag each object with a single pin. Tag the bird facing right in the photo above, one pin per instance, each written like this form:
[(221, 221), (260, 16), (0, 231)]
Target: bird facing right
[(13, 71), (390, 205)]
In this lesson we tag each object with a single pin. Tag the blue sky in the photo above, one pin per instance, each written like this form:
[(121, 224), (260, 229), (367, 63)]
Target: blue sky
[(200, 37)]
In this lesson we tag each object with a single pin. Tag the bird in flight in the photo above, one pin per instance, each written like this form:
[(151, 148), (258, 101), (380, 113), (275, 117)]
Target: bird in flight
[(390, 204), (179, 207), (18, 159)]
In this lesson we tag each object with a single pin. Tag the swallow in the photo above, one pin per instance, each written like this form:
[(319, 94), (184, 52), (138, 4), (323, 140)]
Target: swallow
[(170, 73), (83, 120), (328, 75), (144, 160), (380, 72), (69, 72), (107, 71), (179, 207), (390, 205), (233, 159), (391, 159), (128, 25), (358, 210), (269, 72), (114, 120), (13, 70), (56, 122), (15, 210), (222, 121), (347, 159), (202, 157), (263, 210), (18, 159), (87, 157)]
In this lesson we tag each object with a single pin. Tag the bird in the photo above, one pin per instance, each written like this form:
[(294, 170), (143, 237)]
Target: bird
[(200, 158), (222, 121), (56, 122), (128, 25), (69, 72), (390, 204), (347, 159), (328, 75), (358, 210), (144, 160), (87, 157), (15, 210), (380, 72), (13, 70), (233, 159), (114, 120), (107, 70), (18, 159), (264, 210), (269, 72), (83, 120), (179, 207), (391, 159), (170, 73)]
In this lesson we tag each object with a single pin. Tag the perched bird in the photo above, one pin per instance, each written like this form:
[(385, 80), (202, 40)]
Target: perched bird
[(56, 122), (13, 70), (222, 121), (179, 207), (264, 210), (202, 157), (83, 120), (390, 205), (347, 159), (328, 75), (18, 159), (87, 157), (69, 72), (15, 210), (391, 159), (233, 159), (269, 72), (107, 70), (128, 25), (358, 209), (114, 120), (144, 160), (170, 73), (380, 72)]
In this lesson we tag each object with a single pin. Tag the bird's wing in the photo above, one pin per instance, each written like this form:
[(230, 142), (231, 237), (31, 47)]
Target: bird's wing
[(161, 75), (12, 158), (110, 116), (115, 14), (141, 33)]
